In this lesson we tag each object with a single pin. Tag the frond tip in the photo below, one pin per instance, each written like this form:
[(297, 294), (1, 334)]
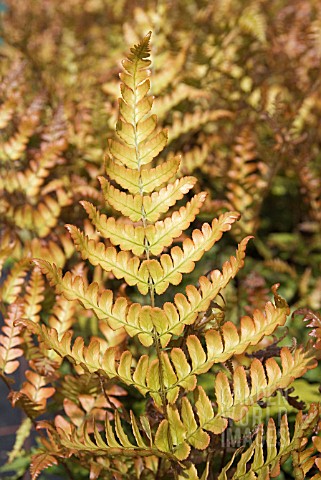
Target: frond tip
[(142, 49)]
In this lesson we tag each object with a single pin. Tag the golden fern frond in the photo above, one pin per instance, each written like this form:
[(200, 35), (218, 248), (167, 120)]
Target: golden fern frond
[(151, 178), (114, 442), (179, 372), (172, 318), (7, 245), (229, 405), (194, 121), (258, 462), (195, 158), (246, 181), (159, 235), (170, 267), (126, 235), (253, 21), (34, 296), (13, 284), (311, 188), (120, 263), (52, 251), (153, 206), (22, 434), (186, 308), (163, 232), (317, 445), (12, 148), (39, 218), (73, 288), (180, 92), (62, 316), (182, 260), (10, 339)]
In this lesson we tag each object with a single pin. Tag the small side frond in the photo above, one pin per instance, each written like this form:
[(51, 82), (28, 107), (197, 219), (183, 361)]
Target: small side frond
[(41, 461), (154, 205), (33, 395), (151, 178), (265, 380), (115, 440), (12, 286), (10, 340), (171, 267), (121, 264), (34, 296), (265, 462), (163, 232), (126, 235)]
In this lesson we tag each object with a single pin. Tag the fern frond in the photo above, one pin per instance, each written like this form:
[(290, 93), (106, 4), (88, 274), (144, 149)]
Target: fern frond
[(34, 296), (74, 288), (164, 104), (187, 307), (253, 21), (120, 263), (162, 233), (63, 315), (265, 380), (150, 178), (314, 320), (22, 434), (246, 181), (7, 245), (171, 320), (95, 358), (16, 144), (126, 235), (153, 206), (12, 286), (32, 396), (195, 158), (230, 405), (194, 121), (170, 268), (115, 440), (41, 461), (10, 339), (265, 463)]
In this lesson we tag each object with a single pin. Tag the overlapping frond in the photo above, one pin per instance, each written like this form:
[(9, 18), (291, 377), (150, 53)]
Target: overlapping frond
[(120, 263), (258, 462), (153, 205), (179, 371), (147, 180), (170, 320), (114, 442), (234, 405), (126, 235)]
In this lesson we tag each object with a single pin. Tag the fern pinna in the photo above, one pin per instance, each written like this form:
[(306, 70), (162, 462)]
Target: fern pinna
[(166, 347)]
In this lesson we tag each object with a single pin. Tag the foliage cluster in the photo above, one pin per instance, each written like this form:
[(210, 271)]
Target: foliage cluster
[(152, 346)]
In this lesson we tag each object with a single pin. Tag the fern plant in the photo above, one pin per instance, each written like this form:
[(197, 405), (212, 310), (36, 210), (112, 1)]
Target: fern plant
[(159, 347)]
